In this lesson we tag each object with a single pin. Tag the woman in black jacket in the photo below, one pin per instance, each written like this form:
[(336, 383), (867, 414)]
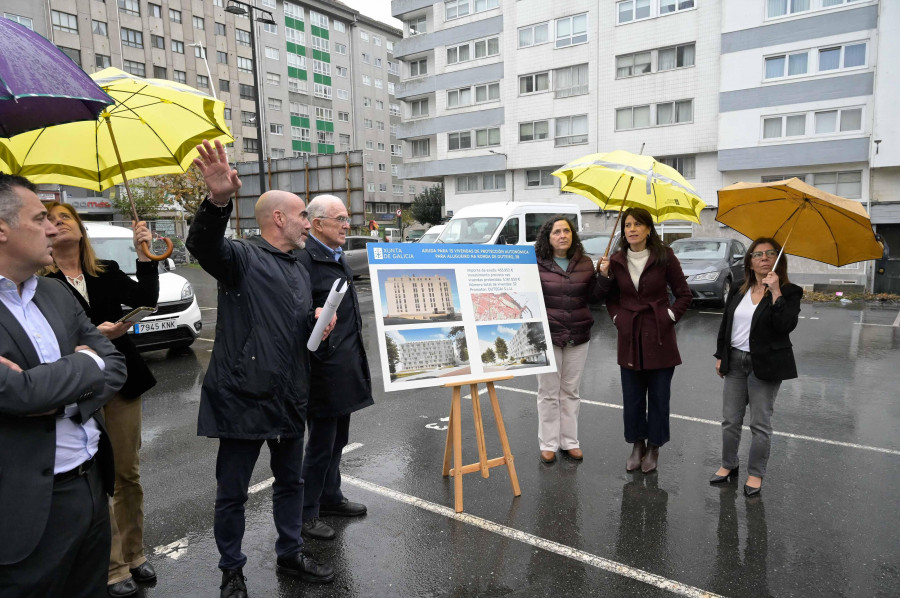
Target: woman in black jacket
[(102, 288), (753, 355), (569, 282)]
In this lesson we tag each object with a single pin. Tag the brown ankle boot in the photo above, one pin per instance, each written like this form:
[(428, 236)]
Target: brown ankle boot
[(650, 459), (637, 453)]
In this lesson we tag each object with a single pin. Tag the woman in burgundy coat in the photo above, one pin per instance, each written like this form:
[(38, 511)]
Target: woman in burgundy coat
[(637, 279), (569, 282)]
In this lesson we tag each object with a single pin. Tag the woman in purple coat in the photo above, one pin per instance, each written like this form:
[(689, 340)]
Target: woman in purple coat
[(637, 279), (569, 281)]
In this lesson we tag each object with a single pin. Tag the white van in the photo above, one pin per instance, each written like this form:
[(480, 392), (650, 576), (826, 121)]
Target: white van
[(176, 323), (504, 223)]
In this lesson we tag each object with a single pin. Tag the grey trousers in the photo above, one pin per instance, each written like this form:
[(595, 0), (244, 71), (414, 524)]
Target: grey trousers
[(742, 388)]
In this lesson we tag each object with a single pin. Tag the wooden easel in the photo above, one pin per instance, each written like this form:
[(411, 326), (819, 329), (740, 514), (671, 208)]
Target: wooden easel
[(454, 439)]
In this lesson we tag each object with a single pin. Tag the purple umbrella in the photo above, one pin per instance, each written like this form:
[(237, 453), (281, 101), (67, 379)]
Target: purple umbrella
[(40, 86)]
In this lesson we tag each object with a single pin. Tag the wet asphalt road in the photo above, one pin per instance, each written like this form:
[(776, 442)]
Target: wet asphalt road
[(826, 524)]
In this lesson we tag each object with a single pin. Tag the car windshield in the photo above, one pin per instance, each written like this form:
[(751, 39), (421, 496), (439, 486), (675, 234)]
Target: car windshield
[(596, 245), (428, 237), (470, 230), (700, 250)]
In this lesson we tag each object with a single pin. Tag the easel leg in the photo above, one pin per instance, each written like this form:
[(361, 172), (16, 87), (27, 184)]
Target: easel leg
[(501, 430), (457, 449), (448, 446), (479, 431)]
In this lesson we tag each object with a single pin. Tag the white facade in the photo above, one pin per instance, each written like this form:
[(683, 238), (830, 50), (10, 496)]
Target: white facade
[(418, 296), (519, 346), (693, 82), (429, 354)]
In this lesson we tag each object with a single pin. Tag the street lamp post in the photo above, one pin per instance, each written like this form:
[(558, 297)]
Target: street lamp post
[(512, 174), (236, 7)]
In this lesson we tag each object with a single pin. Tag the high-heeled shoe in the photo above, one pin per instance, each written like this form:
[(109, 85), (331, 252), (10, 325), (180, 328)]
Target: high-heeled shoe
[(728, 477), (751, 491), (637, 455)]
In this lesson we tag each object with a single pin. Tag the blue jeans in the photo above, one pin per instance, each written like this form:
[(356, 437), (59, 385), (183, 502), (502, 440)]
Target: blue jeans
[(234, 466), (645, 397)]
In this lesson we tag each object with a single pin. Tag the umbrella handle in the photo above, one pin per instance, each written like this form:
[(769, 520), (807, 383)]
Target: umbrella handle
[(145, 247)]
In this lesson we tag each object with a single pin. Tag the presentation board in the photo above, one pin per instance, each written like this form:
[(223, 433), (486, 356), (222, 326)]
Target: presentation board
[(451, 313)]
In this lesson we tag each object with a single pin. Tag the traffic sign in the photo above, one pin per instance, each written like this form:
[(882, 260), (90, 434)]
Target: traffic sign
[(399, 212)]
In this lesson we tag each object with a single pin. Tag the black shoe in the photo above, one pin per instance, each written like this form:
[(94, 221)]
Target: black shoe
[(751, 491), (343, 509), (316, 529), (305, 567), (233, 584), (144, 573), (731, 476), (126, 587)]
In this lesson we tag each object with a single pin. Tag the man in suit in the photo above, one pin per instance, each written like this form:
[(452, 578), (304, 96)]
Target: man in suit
[(340, 383), (56, 371)]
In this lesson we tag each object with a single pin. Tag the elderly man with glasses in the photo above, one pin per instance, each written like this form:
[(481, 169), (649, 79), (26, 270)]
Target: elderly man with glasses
[(340, 381)]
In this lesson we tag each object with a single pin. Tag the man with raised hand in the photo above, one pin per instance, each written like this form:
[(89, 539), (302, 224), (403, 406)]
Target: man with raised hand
[(257, 384)]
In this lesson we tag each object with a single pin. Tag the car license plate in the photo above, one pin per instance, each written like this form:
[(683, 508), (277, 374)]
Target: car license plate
[(154, 326)]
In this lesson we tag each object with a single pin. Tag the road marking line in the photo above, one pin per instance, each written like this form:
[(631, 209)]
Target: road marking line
[(871, 324), (209, 340), (897, 321), (713, 422), (550, 546), (212, 308), (714, 313), (177, 548)]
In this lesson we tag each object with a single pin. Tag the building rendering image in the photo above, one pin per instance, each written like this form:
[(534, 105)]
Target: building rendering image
[(419, 296)]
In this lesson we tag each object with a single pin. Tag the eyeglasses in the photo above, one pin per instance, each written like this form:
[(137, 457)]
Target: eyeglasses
[(768, 252), (340, 219)]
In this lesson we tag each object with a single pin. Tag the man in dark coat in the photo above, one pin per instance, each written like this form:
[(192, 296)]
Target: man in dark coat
[(257, 384), (56, 461), (340, 372)]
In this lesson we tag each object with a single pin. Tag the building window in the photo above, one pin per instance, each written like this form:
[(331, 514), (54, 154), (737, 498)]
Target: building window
[(248, 118), (339, 26), (318, 19), (179, 77), (63, 21), (160, 72), (276, 153), (273, 79), (220, 28), (534, 83), (667, 7), (571, 30), (364, 35), (177, 46), (246, 91), (630, 65), (780, 8), (340, 48), (298, 109), (571, 130), (416, 26), (670, 113), (453, 9), (847, 56), (102, 61), (274, 104), (487, 93), (244, 65), (487, 137), (270, 28), (222, 57), (199, 23), (343, 94), (390, 88), (251, 145), (379, 124), (376, 40), (154, 10), (686, 165), (570, 81), (379, 105), (379, 83), (24, 21), (273, 53), (395, 109), (366, 80), (458, 141), (174, 15), (534, 130), (99, 28), (458, 54), (132, 38), (459, 97), (202, 81), (417, 68), (293, 10), (276, 129), (396, 149), (242, 37), (224, 85), (633, 117), (324, 113), (322, 91), (534, 35), (72, 53), (675, 58), (784, 126), (319, 43), (340, 71), (844, 184), (130, 7), (296, 37), (158, 42), (834, 121), (796, 64), (487, 47), (322, 68), (228, 114), (135, 68), (380, 146), (632, 10), (344, 117), (539, 178), (420, 148), (382, 167)]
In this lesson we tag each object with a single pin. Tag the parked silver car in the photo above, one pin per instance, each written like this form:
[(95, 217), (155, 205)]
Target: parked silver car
[(711, 266), (357, 255)]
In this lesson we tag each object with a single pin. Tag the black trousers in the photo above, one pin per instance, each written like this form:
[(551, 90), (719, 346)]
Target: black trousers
[(234, 466), (72, 557), (645, 398), (322, 464)]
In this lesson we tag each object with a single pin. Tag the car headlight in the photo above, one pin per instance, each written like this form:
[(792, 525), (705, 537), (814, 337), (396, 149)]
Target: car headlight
[(187, 292), (706, 276)]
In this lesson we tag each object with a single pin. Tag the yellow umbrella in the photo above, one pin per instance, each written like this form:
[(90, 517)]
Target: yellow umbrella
[(622, 180), (829, 228), (153, 128)]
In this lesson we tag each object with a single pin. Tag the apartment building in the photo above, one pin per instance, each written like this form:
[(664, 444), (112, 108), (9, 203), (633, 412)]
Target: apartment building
[(496, 94), (418, 296), (326, 73), (421, 355), (519, 347)]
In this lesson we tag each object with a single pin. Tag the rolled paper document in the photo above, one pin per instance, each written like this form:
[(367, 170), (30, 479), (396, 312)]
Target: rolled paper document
[(328, 310)]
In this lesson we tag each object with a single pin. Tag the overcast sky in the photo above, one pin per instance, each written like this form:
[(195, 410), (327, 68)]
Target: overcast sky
[(379, 10)]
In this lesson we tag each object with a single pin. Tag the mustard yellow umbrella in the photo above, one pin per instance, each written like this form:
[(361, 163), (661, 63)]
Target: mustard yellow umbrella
[(806, 221)]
